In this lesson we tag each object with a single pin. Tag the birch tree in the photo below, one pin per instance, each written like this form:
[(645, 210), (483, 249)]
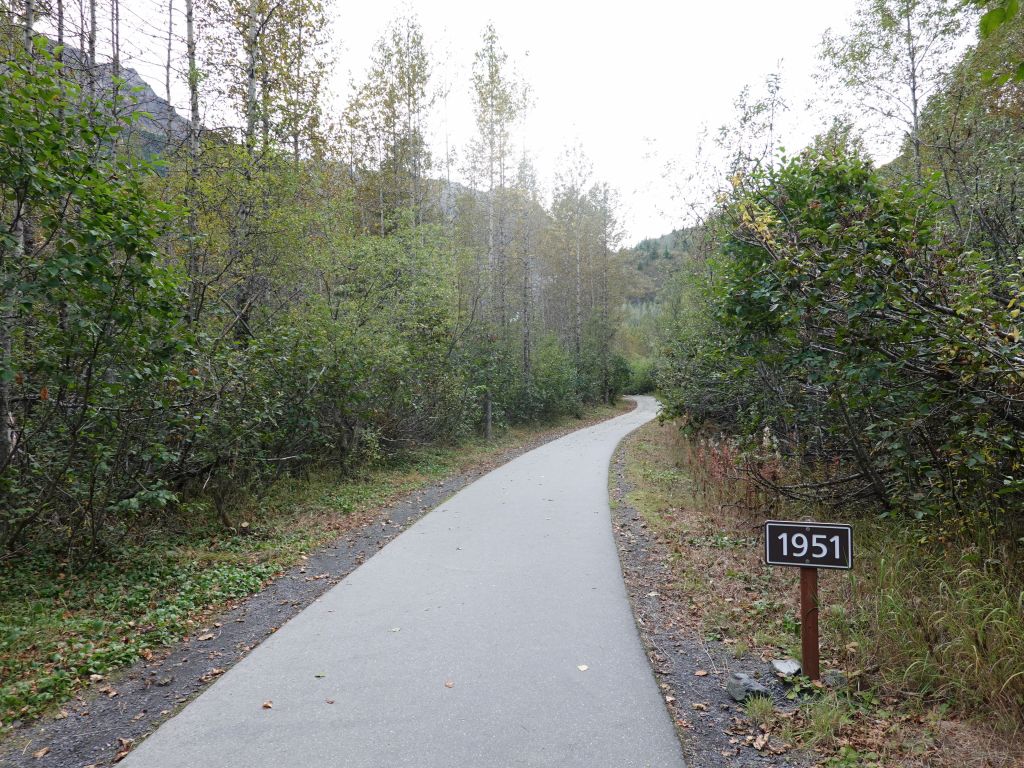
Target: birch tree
[(895, 57)]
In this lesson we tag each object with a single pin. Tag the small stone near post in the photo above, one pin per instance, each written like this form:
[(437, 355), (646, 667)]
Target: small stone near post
[(833, 678), (785, 667), (742, 686)]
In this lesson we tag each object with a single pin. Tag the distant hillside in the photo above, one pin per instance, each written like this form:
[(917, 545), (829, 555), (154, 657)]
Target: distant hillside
[(658, 258)]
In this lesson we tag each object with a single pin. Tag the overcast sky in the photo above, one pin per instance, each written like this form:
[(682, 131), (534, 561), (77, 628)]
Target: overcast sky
[(634, 83)]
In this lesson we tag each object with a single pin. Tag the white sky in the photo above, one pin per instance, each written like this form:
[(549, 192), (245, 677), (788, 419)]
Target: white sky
[(634, 83)]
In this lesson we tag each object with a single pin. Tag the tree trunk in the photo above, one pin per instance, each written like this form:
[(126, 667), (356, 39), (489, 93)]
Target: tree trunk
[(914, 98), (60, 33), (250, 77), (195, 283), (30, 20), (8, 308), (167, 69), (92, 51), (578, 318), (526, 311)]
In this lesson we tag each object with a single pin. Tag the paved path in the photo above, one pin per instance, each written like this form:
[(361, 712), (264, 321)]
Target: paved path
[(459, 645)]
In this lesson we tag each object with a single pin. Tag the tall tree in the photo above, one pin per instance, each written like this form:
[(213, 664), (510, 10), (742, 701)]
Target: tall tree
[(895, 56), (498, 100), (385, 123)]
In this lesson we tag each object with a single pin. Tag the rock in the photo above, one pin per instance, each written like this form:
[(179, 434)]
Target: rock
[(742, 686), (833, 678), (785, 667)]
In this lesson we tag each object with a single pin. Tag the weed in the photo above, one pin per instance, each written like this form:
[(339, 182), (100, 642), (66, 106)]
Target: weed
[(824, 718), (759, 710), (848, 757)]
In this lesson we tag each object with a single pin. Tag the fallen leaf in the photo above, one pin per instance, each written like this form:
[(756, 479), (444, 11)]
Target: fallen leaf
[(761, 742), (61, 715), (329, 701), (211, 675), (449, 683), (582, 667), (207, 636), (41, 753), (95, 678), (701, 673), (699, 706), (125, 746), (268, 704)]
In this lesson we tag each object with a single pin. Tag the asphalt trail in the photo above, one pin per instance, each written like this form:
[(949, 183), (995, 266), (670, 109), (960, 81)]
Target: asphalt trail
[(494, 633)]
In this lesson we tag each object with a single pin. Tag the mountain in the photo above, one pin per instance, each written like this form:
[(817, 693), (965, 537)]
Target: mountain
[(656, 259), (157, 126)]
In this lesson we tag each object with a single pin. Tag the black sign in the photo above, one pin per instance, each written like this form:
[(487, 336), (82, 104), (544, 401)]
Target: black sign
[(811, 545)]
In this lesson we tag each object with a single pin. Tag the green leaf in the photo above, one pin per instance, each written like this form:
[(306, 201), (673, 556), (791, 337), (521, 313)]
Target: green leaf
[(991, 21)]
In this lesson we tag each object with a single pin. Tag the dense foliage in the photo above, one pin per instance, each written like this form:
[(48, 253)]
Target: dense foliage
[(273, 294), (866, 320), (852, 330)]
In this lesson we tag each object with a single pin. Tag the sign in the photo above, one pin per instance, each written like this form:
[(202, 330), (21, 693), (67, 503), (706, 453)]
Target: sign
[(808, 545)]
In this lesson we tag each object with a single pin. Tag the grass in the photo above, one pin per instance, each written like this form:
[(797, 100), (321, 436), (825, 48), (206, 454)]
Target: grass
[(59, 626), (759, 710), (825, 717), (929, 632)]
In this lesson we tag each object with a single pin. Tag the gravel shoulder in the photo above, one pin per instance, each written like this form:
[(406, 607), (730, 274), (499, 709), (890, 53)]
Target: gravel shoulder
[(691, 670)]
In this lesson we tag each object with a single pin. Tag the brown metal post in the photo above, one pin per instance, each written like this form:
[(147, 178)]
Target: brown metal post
[(809, 622)]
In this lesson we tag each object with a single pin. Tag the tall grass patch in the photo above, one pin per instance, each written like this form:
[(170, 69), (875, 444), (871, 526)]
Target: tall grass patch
[(941, 621)]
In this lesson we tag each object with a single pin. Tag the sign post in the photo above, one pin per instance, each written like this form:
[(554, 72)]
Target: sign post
[(808, 546), (809, 622)]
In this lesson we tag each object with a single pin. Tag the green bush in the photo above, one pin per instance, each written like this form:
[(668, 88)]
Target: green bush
[(845, 325), (642, 377)]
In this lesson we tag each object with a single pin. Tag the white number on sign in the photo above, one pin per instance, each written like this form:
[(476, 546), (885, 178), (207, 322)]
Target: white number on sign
[(818, 545), (799, 544)]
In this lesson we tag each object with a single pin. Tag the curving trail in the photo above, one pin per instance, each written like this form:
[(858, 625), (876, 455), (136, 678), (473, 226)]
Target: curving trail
[(458, 645)]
